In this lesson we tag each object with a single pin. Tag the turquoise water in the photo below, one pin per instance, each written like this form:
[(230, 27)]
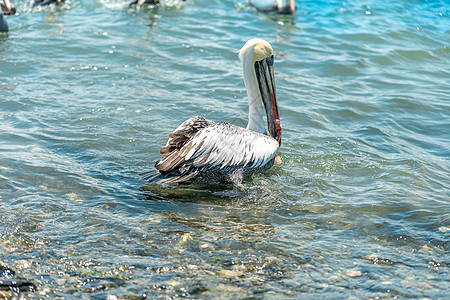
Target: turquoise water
[(358, 209)]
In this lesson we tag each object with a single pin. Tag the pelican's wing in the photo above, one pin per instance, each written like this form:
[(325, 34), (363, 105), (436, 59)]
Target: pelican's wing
[(176, 141), (217, 146), (183, 133)]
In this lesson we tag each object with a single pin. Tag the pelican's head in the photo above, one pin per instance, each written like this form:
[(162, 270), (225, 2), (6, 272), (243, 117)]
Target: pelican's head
[(257, 58), (8, 8)]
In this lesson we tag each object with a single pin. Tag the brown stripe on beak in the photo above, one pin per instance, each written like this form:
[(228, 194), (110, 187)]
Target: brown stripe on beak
[(273, 98), (292, 5), (266, 83), (8, 5)]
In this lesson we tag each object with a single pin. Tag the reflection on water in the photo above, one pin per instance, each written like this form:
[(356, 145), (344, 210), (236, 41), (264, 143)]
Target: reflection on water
[(357, 209)]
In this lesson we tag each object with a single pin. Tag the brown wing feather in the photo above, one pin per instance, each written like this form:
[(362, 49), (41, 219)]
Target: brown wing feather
[(179, 179), (173, 160), (183, 133), (169, 162), (178, 145)]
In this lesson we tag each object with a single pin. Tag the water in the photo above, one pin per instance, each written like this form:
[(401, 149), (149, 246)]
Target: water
[(359, 208)]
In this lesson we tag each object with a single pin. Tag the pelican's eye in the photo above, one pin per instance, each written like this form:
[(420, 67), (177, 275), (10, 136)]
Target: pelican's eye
[(270, 60)]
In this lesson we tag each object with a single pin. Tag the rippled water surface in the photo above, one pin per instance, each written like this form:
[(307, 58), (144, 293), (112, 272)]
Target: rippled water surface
[(359, 208)]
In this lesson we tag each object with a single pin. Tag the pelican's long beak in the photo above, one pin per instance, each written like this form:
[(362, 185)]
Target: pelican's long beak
[(292, 5), (266, 82), (8, 5)]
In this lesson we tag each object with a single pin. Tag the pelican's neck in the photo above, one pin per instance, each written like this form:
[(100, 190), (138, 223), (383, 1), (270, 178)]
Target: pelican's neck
[(255, 108)]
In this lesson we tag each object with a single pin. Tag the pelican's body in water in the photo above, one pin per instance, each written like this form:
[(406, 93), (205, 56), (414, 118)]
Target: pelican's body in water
[(203, 151), (276, 6)]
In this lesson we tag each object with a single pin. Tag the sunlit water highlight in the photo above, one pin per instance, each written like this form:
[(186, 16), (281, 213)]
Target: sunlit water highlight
[(358, 208)]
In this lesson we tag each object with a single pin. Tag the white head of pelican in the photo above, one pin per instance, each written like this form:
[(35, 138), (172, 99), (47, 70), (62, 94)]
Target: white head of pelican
[(257, 63)]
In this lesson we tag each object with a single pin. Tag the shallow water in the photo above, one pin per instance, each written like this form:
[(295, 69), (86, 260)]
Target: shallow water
[(359, 208)]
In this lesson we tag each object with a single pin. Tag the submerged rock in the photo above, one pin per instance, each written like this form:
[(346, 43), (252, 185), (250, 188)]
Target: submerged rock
[(353, 273)]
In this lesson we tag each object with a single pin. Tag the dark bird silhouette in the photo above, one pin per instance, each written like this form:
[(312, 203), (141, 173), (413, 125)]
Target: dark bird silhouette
[(276, 6), (46, 2), (143, 2)]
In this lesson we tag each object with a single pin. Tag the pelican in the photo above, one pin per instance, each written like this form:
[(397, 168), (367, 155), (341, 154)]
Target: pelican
[(6, 9), (142, 2), (201, 151), (277, 6), (46, 2), (3, 24)]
